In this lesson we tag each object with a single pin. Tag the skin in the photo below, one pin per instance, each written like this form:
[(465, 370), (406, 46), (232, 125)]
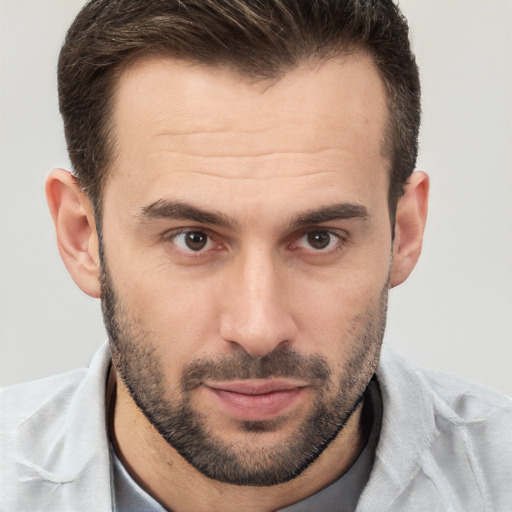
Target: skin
[(260, 155)]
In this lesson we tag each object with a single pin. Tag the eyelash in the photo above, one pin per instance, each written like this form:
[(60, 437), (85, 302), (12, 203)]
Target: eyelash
[(340, 235), (170, 237)]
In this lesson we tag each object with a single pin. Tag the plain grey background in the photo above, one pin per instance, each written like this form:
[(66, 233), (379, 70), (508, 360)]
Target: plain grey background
[(455, 312)]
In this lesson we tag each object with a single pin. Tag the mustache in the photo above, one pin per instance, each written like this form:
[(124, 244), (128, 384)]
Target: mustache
[(279, 363)]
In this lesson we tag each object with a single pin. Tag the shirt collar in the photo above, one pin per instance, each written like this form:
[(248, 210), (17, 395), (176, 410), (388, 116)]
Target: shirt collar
[(408, 429), (64, 441)]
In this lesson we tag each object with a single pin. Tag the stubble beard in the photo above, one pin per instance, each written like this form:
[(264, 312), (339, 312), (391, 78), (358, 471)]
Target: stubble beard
[(136, 360)]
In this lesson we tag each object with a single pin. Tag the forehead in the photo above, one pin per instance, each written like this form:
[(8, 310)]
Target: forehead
[(179, 125)]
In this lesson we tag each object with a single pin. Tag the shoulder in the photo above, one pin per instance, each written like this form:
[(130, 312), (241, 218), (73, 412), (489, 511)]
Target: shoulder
[(444, 437), (54, 442), (47, 400), (21, 401), (459, 399), (467, 401)]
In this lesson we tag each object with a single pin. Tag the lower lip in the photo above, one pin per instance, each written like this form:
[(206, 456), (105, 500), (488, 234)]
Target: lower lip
[(257, 407)]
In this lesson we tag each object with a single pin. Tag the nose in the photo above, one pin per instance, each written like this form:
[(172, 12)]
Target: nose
[(256, 314)]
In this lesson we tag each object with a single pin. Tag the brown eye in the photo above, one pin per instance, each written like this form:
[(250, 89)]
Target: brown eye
[(196, 240), (319, 239), (192, 241)]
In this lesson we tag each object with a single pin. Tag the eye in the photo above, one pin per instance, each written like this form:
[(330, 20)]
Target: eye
[(195, 241), (319, 240)]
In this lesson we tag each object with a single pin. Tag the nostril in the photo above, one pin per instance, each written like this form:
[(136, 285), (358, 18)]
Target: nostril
[(256, 347)]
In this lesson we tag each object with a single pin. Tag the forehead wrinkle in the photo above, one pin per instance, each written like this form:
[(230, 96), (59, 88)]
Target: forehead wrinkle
[(255, 177), (189, 125), (247, 143), (263, 154), (194, 133)]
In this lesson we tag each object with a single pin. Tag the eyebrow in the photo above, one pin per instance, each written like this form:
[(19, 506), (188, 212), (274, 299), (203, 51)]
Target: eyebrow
[(329, 213), (165, 209), (177, 210)]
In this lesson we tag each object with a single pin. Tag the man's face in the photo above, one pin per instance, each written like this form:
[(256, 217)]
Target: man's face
[(246, 257)]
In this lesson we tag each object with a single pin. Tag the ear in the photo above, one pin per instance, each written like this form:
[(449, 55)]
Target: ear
[(411, 217), (75, 226)]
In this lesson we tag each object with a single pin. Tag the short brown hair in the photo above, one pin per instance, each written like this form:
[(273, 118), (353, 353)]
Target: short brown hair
[(258, 38)]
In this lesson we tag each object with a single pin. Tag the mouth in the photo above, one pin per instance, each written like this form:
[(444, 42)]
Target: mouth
[(256, 400)]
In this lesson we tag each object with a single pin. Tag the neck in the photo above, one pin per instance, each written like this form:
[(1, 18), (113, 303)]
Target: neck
[(166, 476)]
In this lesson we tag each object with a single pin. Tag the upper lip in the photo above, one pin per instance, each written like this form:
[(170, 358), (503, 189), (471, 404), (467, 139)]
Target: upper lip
[(256, 387)]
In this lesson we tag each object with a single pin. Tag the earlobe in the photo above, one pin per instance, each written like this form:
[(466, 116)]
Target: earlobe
[(75, 227), (411, 217)]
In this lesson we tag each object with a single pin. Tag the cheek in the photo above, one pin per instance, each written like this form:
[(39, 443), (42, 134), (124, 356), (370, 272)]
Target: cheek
[(180, 314), (331, 317)]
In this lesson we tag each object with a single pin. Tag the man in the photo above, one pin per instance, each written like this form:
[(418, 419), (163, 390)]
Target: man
[(243, 199)]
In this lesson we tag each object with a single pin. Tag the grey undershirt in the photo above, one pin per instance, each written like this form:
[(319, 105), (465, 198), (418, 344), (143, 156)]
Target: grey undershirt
[(341, 496)]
